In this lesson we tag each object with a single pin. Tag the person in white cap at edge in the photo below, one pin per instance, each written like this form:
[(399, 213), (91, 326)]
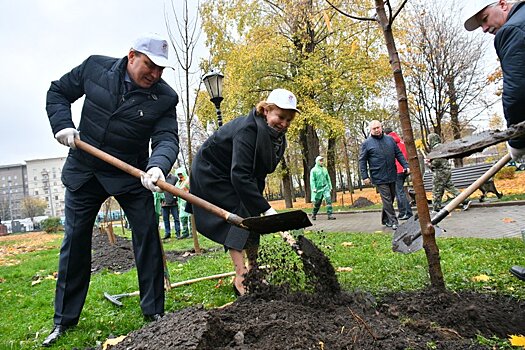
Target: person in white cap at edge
[(230, 170), (506, 20), (127, 105)]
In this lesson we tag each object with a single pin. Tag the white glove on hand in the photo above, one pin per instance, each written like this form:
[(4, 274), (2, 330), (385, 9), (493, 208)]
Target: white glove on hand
[(149, 179), (67, 137), (516, 153), (270, 211)]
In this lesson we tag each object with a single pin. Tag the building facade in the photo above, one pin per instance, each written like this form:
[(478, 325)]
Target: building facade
[(43, 179), (13, 189)]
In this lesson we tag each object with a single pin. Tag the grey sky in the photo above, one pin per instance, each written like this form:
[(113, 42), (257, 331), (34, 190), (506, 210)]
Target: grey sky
[(44, 39)]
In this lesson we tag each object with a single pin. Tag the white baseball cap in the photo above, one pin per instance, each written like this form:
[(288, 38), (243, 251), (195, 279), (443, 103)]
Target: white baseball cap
[(472, 8), (283, 99), (155, 47)]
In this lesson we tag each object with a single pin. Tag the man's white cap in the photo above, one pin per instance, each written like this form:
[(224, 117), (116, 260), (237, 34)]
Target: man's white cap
[(472, 8), (155, 47), (283, 99)]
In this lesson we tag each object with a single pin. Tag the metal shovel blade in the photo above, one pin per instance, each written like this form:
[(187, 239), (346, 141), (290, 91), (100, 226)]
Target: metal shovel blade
[(290, 220), (408, 238)]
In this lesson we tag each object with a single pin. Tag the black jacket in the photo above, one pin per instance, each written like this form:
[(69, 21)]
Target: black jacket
[(121, 124), (378, 156), (510, 47), (229, 171)]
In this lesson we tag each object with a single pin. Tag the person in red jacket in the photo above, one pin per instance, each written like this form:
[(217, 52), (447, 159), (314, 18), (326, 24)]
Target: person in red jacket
[(403, 205)]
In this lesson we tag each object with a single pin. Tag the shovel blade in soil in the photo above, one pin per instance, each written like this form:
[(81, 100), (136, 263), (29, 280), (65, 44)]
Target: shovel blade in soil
[(291, 220), (408, 238)]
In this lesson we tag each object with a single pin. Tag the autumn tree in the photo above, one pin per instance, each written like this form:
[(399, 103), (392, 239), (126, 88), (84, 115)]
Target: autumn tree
[(33, 206), (332, 68), (384, 16), (446, 79)]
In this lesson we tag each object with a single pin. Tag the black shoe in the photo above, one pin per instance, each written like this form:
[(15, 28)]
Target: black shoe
[(154, 317), (166, 237), (330, 217), (313, 217), (185, 236), (518, 271), (57, 332)]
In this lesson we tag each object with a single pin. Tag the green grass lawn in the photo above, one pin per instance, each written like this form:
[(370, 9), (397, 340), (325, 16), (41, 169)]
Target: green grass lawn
[(27, 307)]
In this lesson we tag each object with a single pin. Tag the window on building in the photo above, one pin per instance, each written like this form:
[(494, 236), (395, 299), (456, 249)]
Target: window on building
[(36, 193), (35, 178)]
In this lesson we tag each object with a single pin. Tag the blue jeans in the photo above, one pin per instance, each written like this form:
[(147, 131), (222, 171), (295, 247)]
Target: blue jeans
[(403, 205), (166, 217)]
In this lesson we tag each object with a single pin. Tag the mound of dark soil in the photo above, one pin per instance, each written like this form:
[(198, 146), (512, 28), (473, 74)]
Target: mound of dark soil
[(278, 320), (119, 257), (362, 202)]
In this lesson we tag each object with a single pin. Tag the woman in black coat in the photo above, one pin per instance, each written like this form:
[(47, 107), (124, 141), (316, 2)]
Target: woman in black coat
[(230, 171)]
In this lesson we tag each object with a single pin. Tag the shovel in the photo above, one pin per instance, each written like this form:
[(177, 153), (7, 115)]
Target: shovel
[(115, 298), (292, 220), (408, 237)]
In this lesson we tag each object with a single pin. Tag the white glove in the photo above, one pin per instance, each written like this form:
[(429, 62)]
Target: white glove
[(67, 137), (149, 179), (515, 153), (270, 211)]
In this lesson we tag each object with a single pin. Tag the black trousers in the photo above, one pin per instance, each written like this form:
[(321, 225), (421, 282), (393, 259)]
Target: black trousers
[(74, 271), (388, 194)]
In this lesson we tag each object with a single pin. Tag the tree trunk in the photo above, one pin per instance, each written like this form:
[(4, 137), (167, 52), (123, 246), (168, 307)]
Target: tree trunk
[(454, 117), (287, 184), (310, 146), (429, 240), (330, 166)]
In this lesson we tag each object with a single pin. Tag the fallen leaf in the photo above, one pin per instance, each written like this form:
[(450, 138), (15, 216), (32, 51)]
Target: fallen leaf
[(517, 340), (36, 282), (480, 278), (113, 341), (508, 220), (344, 269), (347, 244)]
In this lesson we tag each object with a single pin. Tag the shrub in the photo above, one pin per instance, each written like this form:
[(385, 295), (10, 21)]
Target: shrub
[(507, 172), (51, 225)]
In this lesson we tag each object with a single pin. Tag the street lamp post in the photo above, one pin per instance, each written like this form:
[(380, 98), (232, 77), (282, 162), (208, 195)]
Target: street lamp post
[(213, 82)]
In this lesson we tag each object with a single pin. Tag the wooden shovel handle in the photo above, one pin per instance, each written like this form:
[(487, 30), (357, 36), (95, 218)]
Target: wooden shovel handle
[(229, 217), (471, 189)]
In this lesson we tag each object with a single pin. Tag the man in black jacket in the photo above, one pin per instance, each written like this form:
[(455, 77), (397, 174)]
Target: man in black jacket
[(377, 164), (506, 20), (127, 105)]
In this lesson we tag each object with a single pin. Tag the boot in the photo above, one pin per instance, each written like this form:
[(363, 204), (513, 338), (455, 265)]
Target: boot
[(331, 217), (314, 217)]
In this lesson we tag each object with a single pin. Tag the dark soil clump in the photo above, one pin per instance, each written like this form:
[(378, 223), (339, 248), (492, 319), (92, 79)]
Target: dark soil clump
[(362, 202), (119, 257), (277, 320), (274, 317)]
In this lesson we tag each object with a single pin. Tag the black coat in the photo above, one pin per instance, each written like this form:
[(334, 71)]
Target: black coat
[(229, 171), (121, 124), (510, 47), (378, 156)]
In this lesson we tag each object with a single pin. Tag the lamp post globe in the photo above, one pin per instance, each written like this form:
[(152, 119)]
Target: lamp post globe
[(213, 82)]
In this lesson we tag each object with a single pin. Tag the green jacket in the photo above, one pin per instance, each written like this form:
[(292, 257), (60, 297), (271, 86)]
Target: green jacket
[(319, 181)]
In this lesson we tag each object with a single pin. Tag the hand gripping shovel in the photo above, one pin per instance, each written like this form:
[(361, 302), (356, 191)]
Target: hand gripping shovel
[(408, 237), (295, 219)]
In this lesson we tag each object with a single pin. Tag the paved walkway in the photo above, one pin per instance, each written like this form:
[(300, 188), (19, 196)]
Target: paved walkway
[(482, 220)]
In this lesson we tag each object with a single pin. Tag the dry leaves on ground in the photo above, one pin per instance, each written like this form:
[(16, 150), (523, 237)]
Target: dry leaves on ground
[(13, 245)]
